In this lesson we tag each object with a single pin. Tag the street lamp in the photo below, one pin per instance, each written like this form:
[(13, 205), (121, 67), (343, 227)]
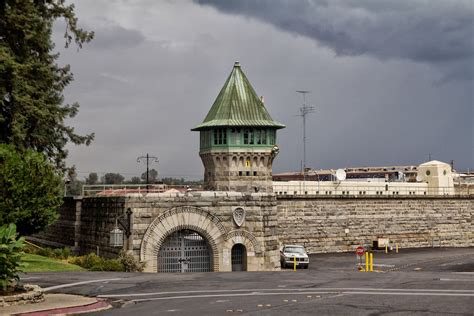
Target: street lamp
[(116, 235)]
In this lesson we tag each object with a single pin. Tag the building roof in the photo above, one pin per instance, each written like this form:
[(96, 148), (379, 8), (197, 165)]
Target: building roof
[(434, 163), (238, 105)]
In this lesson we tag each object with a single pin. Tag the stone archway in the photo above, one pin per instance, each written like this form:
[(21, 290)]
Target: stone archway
[(247, 239), (181, 218)]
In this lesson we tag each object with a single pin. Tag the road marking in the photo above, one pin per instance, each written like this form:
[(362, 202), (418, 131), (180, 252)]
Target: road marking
[(258, 291), (77, 283), (460, 280), (290, 293)]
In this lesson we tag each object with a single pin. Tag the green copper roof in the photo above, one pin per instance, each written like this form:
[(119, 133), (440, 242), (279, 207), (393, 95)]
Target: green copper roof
[(238, 105)]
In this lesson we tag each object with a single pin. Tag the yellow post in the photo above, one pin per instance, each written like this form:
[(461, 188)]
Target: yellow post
[(371, 262), (294, 263), (366, 262), (396, 248), (386, 248)]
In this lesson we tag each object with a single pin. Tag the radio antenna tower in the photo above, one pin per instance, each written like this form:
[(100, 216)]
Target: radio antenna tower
[(304, 110)]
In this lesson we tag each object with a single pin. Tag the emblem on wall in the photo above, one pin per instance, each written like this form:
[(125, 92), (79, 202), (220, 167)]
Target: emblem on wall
[(239, 216)]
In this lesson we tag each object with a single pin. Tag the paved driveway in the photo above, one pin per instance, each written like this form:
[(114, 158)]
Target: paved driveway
[(413, 282)]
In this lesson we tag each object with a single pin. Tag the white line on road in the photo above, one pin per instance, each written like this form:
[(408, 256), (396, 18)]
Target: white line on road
[(77, 283), (460, 280), (273, 290), (304, 293)]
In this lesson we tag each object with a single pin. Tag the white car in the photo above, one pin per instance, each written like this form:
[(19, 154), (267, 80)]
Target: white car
[(288, 253)]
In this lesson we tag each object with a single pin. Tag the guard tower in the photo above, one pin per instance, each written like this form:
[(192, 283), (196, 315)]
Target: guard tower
[(238, 139)]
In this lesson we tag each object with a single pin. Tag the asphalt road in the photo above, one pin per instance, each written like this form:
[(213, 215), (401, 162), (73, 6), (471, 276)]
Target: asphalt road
[(412, 282)]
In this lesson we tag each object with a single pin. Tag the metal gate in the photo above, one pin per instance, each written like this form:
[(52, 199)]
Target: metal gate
[(239, 258), (184, 251)]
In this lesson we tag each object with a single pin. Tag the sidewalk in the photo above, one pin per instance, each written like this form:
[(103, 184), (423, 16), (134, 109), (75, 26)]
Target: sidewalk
[(57, 304)]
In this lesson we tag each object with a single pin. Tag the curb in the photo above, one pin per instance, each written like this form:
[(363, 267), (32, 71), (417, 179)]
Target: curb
[(100, 304)]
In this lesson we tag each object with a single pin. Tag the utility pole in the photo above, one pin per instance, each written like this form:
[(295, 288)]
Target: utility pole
[(147, 158), (304, 110)]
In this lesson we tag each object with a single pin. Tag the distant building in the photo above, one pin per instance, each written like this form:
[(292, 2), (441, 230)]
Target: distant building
[(430, 178), (390, 173)]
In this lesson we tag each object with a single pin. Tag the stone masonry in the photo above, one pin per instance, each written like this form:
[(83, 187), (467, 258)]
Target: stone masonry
[(341, 224)]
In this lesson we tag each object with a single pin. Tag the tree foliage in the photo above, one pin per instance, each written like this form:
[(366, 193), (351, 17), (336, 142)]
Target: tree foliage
[(32, 112), (152, 176), (10, 257), (93, 178), (30, 190), (112, 178)]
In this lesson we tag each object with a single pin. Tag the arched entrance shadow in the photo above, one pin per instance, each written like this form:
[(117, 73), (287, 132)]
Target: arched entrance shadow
[(239, 257)]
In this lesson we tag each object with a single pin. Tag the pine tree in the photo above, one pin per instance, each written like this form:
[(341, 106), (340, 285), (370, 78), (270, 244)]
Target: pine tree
[(32, 112)]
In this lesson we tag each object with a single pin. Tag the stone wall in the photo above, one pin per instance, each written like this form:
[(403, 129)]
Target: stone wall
[(341, 224), (322, 224), (260, 222), (90, 221), (62, 232)]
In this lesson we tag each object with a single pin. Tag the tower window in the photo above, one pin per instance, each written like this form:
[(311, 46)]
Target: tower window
[(255, 173), (260, 136), (220, 136), (240, 173), (248, 137), (235, 136), (247, 173)]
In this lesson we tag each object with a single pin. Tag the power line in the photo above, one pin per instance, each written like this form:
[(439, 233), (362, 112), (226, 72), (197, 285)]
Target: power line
[(147, 158)]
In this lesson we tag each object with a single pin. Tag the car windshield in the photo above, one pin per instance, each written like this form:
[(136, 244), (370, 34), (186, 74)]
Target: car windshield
[(294, 250)]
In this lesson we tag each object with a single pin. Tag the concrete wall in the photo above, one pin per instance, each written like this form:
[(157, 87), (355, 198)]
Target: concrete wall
[(341, 224)]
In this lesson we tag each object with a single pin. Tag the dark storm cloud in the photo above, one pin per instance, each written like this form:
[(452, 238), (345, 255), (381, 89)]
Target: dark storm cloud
[(436, 32)]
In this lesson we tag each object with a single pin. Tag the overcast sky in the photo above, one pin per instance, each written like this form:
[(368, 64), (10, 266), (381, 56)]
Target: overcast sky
[(391, 81)]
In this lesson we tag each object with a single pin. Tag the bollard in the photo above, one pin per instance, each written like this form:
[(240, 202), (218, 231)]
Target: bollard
[(294, 263), (396, 248), (366, 262), (386, 248), (371, 262)]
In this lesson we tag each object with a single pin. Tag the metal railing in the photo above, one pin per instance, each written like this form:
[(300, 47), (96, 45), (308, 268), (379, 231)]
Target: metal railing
[(383, 190), (123, 189)]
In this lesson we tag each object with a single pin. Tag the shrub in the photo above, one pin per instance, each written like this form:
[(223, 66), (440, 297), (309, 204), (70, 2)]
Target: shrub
[(130, 264), (10, 257), (66, 252), (46, 252), (95, 263)]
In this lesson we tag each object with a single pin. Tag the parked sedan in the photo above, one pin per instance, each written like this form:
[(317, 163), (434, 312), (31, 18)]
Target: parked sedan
[(288, 253)]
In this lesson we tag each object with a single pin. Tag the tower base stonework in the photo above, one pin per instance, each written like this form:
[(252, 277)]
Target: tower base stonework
[(241, 171)]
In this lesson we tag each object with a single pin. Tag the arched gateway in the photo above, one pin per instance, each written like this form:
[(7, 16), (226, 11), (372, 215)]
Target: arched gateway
[(186, 238), (184, 251)]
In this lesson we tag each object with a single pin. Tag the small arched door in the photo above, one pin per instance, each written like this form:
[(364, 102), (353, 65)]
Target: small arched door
[(239, 258)]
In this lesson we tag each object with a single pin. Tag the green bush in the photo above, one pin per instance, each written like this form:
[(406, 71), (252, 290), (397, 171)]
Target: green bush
[(130, 264), (10, 257), (95, 263), (66, 252), (46, 252), (57, 253)]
